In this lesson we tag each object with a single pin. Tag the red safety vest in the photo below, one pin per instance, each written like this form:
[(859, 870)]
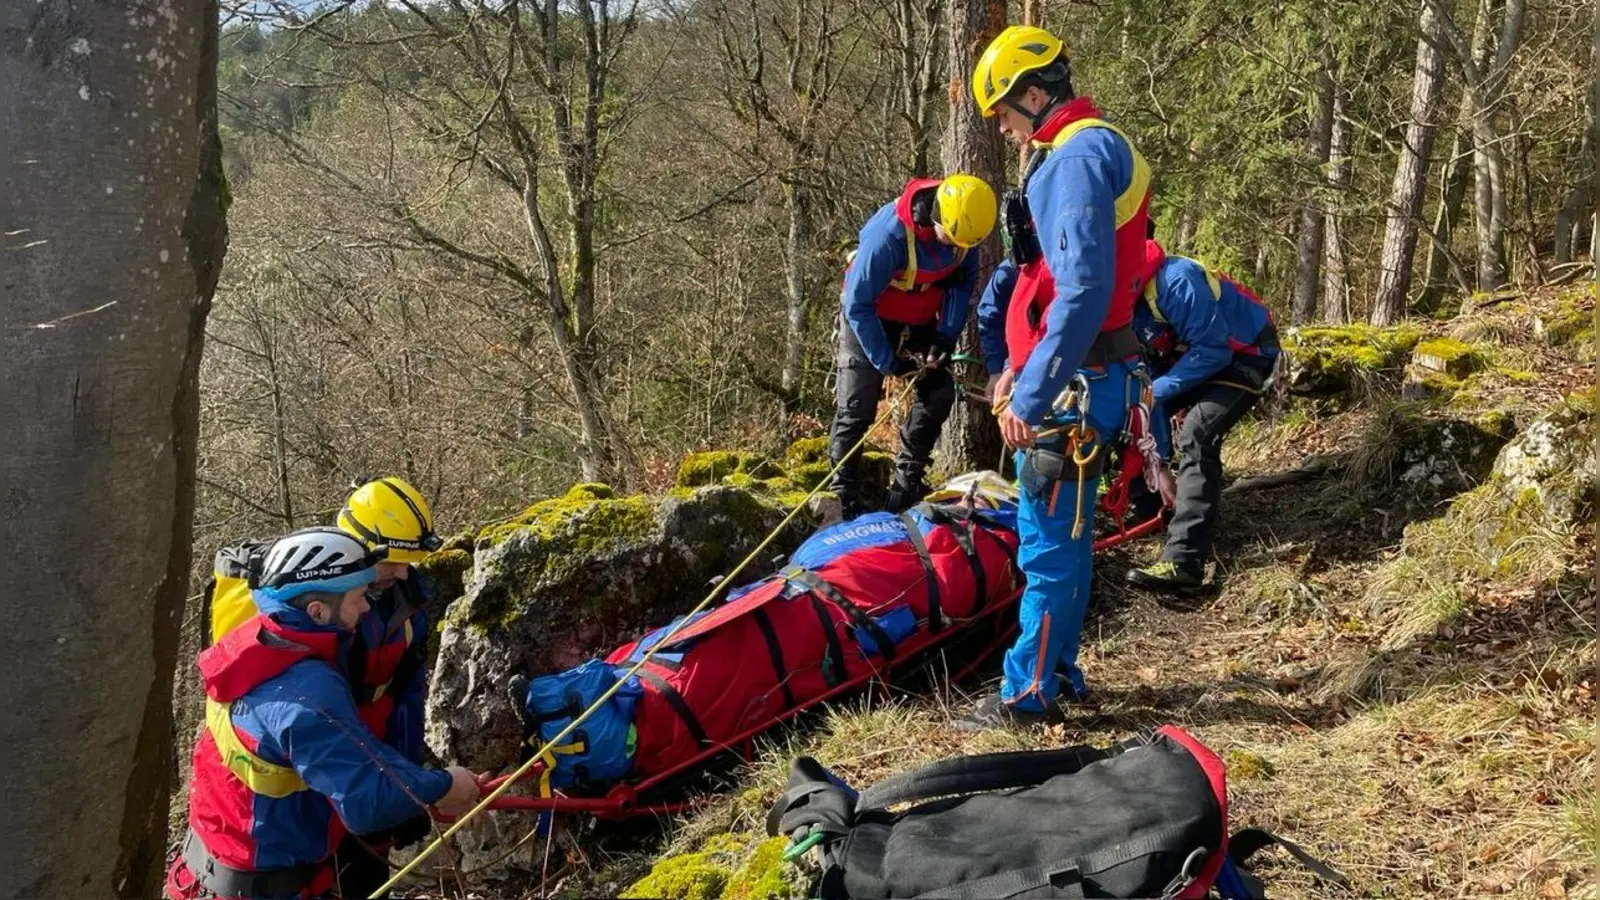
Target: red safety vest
[(915, 296), (1035, 289)]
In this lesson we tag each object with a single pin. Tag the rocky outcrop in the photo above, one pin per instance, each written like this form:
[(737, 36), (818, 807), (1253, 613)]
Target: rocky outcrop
[(1413, 454), (1553, 462), (1350, 361), (574, 577)]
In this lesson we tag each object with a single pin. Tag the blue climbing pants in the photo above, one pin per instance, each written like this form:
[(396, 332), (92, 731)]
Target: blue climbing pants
[(1056, 565)]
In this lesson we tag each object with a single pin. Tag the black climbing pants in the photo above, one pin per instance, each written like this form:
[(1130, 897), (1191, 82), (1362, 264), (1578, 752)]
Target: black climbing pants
[(859, 389), (1211, 410)]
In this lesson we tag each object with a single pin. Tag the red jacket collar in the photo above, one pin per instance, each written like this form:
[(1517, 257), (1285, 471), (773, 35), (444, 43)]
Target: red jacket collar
[(902, 207), (1075, 109), (1154, 256), (256, 651)]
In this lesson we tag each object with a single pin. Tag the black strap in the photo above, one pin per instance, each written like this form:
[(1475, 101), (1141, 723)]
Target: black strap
[(775, 653), (1017, 881), (1246, 842), (962, 528), (676, 701), (1111, 346), (935, 610), (818, 585), (835, 652), (988, 772), (224, 881)]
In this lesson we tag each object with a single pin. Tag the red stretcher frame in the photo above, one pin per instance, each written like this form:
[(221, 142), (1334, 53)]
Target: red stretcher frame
[(621, 800)]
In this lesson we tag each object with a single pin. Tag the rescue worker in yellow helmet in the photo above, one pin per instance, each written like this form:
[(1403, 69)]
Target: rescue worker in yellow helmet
[(907, 294), (387, 662), (1060, 311)]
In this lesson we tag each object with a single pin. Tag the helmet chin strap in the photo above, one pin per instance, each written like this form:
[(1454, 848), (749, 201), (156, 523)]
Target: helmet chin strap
[(1037, 119)]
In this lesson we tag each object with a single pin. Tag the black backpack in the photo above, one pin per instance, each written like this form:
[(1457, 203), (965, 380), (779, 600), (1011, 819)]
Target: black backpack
[(1144, 818)]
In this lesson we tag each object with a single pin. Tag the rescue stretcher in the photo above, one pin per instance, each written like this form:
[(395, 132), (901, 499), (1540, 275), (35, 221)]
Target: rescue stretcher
[(950, 584)]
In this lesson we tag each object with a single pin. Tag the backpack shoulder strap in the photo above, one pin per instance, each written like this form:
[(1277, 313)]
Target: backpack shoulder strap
[(988, 772), (1245, 842)]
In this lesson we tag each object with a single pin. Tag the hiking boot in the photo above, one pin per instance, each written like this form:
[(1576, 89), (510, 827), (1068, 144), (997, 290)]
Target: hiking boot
[(993, 712), (904, 496), (1167, 578)]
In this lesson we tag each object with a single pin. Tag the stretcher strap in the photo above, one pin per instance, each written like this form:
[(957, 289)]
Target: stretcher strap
[(865, 622), (775, 653), (675, 700), (962, 529), (930, 577), (835, 652)]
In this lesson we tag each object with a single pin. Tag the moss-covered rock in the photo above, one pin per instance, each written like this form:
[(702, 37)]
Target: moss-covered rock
[(1569, 321), (1448, 356), (1554, 459), (692, 876), (807, 465), (712, 466), (1353, 360), (446, 570)]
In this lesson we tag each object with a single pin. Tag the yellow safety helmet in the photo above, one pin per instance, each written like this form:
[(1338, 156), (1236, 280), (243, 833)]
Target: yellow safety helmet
[(1014, 53), (390, 511), (967, 209)]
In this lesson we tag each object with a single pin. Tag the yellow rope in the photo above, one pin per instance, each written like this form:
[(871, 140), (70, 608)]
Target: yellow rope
[(665, 641)]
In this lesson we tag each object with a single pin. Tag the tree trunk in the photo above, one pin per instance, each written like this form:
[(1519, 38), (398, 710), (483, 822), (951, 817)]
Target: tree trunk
[(1586, 187), (971, 439), (114, 240), (1441, 262), (1488, 156), (1411, 172), (796, 252), (1308, 255), (1453, 191), (1335, 287)]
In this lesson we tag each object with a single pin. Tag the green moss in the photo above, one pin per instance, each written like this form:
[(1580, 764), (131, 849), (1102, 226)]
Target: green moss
[(764, 876), (447, 570), (1448, 356), (692, 876), (713, 466), (1568, 321), (562, 534), (805, 452), (591, 490), (1245, 765), (1335, 359)]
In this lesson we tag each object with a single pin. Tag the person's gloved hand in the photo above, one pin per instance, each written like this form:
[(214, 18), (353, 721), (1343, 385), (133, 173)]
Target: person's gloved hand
[(463, 793)]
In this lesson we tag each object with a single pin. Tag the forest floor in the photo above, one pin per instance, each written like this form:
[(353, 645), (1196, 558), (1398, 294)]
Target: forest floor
[(1424, 749)]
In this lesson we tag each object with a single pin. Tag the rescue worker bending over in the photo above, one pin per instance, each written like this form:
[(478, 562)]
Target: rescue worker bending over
[(387, 661), (906, 298), (285, 763), (1077, 233), (1214, 345)]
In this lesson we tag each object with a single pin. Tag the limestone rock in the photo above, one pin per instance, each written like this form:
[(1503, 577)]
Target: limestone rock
[(1347, 360), (1554, 458)]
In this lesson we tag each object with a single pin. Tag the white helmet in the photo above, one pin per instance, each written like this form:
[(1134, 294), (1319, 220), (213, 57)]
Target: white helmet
[(324, 560)]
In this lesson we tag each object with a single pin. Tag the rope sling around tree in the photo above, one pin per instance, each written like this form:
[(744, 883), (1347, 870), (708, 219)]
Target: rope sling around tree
[(716, 591)]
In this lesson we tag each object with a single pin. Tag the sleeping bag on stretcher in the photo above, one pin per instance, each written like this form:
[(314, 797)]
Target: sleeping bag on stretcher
[(854, 598)]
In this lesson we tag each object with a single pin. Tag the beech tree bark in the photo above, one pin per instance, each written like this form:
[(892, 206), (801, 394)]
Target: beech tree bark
[(1335, 286), (972, 144), (1411, 172), (1308, 256), (113, 206)]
